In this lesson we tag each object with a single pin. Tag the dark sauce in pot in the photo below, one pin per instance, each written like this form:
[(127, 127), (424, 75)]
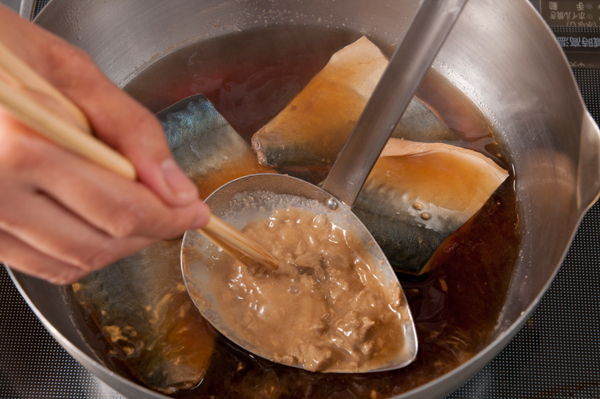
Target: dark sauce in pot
[(249, 78), (455, 308)]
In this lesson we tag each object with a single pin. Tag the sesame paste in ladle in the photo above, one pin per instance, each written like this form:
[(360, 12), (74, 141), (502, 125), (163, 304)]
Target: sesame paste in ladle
[(324, 309)]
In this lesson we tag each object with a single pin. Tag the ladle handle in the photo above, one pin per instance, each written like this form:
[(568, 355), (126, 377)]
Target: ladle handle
[(410, 62)]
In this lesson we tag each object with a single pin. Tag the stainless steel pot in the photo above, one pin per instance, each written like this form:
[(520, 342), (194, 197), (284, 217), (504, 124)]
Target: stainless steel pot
[(501, 54)]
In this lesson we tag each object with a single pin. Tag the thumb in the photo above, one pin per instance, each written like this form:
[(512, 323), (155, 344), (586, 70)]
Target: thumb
[(134, 131), (147, 148)]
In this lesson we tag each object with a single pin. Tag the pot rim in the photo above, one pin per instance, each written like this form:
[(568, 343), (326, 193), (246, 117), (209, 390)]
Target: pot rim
[(451, 379)]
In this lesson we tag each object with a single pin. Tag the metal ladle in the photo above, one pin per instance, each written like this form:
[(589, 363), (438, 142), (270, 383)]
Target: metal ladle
[(256, 197)]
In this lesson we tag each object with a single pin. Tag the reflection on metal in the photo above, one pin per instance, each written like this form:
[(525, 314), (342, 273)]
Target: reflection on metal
[(27, 9)]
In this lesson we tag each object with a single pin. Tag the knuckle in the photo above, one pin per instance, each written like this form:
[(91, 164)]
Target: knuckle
[(181, 221), (153, 146), (16, 151), (127, 220), (149, 123), (63, 55), (10, 223), (94, 259), (77, 66)]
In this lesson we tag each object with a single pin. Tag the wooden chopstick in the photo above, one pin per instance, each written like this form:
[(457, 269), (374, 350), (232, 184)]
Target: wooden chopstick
[(224, 232), (30, 79), (65, 134)]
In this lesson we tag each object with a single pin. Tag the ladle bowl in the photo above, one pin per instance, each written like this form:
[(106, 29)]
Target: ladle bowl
[(256, 197)]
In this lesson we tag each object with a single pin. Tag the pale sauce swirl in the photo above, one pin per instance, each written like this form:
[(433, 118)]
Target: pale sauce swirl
[(325, 308)]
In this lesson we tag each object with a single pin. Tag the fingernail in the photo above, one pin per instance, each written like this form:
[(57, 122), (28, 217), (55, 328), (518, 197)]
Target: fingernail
[(177, 181)]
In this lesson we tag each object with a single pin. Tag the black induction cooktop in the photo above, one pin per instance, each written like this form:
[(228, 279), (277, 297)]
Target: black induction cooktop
[(555, 355)]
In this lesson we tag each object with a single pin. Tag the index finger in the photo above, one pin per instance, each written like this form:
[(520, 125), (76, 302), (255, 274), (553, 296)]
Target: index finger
[(117, 119)]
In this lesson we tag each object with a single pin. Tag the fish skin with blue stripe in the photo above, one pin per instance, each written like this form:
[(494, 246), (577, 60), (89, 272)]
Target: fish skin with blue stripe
[(312, 129), (418, 194), (140, 303), (206, 146)]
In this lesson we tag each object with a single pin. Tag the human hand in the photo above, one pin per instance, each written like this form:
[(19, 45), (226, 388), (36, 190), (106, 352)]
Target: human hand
[(62, 216)]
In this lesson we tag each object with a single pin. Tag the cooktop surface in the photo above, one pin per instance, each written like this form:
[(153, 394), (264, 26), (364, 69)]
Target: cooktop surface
[(555, 355)]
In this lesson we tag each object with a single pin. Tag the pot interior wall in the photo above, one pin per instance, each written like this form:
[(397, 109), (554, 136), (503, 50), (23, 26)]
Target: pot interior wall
[(502, 57)]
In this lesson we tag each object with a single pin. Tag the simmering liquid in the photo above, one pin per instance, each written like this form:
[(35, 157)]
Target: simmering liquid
[(250, 77)]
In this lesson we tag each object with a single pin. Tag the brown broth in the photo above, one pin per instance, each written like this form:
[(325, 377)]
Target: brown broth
[(249, 78)]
